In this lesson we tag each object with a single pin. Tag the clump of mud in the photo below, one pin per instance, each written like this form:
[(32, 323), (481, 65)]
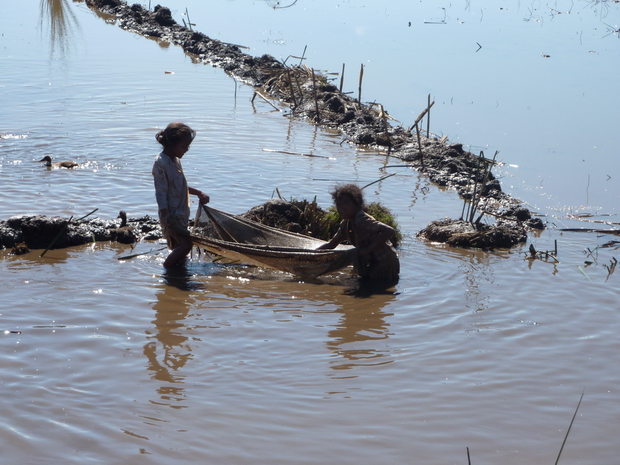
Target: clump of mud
[(20, 233), (461, 233), (310, 94), (308, 218), (298, 216)]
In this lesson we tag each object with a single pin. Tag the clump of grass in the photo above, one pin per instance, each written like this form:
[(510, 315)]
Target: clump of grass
[(381, 213), (307, 217)]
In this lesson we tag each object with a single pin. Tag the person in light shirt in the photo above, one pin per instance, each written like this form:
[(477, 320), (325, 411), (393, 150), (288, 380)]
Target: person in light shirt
[(172, 192)]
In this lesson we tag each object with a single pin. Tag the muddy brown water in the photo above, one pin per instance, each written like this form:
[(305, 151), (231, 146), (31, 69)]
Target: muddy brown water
[(116, 361)]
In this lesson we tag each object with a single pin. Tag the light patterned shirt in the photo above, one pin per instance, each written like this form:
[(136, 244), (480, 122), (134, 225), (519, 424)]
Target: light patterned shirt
[(171, 189)]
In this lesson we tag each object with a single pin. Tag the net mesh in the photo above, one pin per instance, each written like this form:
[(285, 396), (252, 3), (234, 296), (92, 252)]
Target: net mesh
[(245, 241)]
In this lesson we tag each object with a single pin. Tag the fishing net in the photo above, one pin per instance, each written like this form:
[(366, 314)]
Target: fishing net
[(252, 243)]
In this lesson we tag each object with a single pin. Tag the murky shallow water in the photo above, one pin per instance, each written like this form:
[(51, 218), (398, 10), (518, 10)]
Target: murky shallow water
[(118, 362)]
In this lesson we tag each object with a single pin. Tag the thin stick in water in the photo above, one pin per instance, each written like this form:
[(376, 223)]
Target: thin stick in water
[(569, 427), (265, 99), (379, 180), (127, 257)]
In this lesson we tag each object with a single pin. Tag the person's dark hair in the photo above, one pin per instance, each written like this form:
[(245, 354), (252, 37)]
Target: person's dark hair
[(174, 133), (349, 190)]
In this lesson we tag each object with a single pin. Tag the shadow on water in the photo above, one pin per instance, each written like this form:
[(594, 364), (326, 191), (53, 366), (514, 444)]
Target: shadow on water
[(61, 20)]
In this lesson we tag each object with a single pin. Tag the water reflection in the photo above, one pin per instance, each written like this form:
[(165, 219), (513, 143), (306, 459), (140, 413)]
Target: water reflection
[(356, 340), (475, 267), (168, 350), (58, 14)]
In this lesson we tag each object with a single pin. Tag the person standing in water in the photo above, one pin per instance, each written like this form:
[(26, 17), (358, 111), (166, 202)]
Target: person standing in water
[(172, 192), (376, 258)]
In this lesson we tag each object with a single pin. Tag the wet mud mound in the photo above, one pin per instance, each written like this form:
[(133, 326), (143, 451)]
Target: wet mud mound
[(39, 232), (298, 216), (308, 218), (461, 233), (311, 95)]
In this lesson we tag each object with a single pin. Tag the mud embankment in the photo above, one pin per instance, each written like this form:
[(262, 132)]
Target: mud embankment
[(310, 95), (20, 233)]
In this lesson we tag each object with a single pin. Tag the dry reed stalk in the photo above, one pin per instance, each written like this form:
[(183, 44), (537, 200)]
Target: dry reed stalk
[(485, 164), (421, 115), (189, 23), (569, 427), (359, 89), (417, 128), (598, 231), (379, 180), (383, 115), (295, 153), (290, 84), (428, 118), (256, 92), (301, 94), (316, 100), (127, 257)]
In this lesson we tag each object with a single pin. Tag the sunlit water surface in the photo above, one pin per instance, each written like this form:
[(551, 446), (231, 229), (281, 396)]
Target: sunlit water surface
[(114, 361)]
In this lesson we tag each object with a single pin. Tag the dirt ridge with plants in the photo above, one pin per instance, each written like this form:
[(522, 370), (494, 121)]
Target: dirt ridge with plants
[(310, 94)]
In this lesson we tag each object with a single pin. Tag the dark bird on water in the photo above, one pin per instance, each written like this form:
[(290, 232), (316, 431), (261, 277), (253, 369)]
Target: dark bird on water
[(61, 164), (125, 234)]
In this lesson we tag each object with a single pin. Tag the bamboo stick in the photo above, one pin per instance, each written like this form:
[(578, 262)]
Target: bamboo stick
[(428, 117), (359, 94), (290, 84)]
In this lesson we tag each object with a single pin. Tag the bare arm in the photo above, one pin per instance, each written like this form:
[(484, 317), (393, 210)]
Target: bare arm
[(337, 239), (204, 198)]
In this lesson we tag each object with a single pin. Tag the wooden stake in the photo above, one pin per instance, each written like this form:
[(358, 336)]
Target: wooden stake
[(419, 118), (385, 129), (342, 78), (428, 117), (189, 23), (359, 94), (290, 84)]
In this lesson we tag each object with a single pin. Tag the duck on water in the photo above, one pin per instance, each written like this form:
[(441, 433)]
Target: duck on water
[(61, 164)]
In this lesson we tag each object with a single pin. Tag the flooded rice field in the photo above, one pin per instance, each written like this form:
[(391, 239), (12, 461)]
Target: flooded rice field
[(116, 361)]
